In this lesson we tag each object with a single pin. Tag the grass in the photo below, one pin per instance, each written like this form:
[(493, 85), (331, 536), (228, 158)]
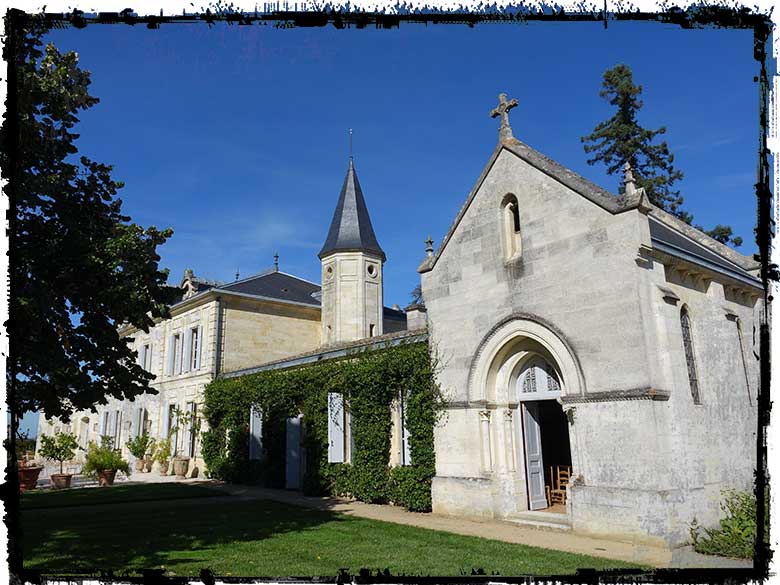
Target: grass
[(261, 538), (113, 495)]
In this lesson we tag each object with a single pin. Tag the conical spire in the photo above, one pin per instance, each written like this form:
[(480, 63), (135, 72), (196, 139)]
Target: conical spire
[(351, 230)]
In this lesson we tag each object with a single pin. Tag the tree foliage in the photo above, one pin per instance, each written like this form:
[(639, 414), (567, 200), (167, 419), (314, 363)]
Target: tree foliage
[(79, 267), (621, 139)]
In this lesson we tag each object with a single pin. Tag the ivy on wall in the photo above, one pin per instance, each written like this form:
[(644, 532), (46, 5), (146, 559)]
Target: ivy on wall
[(370, 382)]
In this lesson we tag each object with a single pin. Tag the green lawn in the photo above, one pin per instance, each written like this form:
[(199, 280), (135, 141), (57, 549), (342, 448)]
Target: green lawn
[(113, 495), (259, 538)]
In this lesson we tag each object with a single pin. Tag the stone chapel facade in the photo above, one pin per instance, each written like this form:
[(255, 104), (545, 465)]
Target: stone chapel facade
[(592, 331), (577, 329)]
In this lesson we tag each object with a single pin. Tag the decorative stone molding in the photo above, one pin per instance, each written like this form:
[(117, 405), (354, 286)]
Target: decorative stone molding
[(523, 324), (619, 395), (668, 295)]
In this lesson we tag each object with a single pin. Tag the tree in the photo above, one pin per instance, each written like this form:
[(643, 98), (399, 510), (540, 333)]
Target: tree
[(79, 268), (416, 294), (62, 447), (621, 139)]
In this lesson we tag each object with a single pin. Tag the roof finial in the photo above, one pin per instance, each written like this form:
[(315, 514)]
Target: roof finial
[(429, 246), (350, 145), (628, 179), (237, 274), (276, 262), (505, 131)]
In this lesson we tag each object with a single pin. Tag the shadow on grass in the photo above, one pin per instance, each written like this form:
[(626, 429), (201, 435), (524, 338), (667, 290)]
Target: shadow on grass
[(132, 536)]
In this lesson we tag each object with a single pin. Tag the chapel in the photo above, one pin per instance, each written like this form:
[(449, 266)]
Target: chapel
[(599, 355)]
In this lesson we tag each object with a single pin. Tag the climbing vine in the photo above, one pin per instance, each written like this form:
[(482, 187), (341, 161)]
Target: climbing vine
[(370, 381)]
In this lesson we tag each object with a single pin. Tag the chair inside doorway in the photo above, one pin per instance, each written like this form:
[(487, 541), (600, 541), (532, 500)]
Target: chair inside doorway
[(555, 487)]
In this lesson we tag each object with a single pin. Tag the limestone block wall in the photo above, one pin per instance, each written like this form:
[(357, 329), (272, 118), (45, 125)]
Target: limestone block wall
[(576, 270), (352, 297), (711, 446), (259, 332)]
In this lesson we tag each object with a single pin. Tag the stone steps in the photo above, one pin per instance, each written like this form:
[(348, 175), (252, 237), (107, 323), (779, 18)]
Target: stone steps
[(541, 520)]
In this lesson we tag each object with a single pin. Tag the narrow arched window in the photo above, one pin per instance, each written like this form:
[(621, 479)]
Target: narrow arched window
[(742, 355), (690, 360), (511, 219)]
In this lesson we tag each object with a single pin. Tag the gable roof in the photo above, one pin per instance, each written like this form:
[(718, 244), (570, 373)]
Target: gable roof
[(605, 199), (351, 229)]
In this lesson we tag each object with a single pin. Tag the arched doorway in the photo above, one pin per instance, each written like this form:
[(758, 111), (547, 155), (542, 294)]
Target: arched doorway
[(544, 433)]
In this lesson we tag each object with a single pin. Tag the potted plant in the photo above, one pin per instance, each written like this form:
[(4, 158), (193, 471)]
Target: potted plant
[(61, 447), (27, 468), (162, 454), (138, 446), (184, 420), (104, 461)]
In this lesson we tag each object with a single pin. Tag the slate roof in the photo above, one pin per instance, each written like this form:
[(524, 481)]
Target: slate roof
[(673, 242), (276, 285), (351, 230)]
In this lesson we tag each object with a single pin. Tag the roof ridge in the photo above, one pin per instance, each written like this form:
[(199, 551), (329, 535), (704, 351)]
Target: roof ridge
[(299, 278), (265, 272)]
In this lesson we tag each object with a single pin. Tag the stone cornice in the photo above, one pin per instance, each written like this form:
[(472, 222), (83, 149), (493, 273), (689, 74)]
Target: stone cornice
[(605, 396)]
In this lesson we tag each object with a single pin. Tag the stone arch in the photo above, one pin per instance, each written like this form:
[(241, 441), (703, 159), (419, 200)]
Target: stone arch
[(504, 350)]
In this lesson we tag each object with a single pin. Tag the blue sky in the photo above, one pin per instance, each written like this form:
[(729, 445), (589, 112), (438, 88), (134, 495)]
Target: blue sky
[(237, 137)]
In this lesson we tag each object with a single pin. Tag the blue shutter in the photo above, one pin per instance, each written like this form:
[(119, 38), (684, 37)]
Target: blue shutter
[(186, 360), (137, 422), (335, 428), (103, 425), (406, 454), (171, 353), (200, 347), (255, 433)]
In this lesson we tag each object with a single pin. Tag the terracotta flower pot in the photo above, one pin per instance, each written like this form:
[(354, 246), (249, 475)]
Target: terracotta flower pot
[(60, 481), (164, 468), (106, 477), (139, 465), (28, 478), (180, 465)]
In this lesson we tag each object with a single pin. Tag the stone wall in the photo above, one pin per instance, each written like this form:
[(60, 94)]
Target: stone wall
[(646, 458)]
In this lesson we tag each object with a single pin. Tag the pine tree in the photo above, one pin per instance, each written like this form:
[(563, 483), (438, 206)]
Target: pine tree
[(621, 139), (79, 267)]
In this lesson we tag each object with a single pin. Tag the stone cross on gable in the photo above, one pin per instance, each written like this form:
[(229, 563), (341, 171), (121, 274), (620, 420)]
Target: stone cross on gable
[(505, 131)]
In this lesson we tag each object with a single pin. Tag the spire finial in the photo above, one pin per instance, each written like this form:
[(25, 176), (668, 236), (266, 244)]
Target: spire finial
[(628, 179), (236, 273), (429, 246), (276, 262), (505, 130), (350, 145)]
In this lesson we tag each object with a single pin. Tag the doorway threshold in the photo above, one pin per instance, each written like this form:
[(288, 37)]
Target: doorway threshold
[(541, 519)]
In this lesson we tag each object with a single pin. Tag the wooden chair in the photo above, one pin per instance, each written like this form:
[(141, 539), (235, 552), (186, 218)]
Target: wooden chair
[(562, 476)]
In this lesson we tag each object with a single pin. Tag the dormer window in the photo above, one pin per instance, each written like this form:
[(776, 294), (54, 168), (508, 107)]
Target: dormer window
[(511, 221)]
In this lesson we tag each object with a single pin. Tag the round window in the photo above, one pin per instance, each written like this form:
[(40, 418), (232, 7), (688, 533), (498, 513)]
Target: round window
[(329, 272), (371, 270)]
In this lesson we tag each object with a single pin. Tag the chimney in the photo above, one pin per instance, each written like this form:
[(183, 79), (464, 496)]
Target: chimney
[(416, 317)]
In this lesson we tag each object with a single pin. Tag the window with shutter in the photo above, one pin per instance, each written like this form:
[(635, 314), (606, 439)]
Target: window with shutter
[(255, 433), (406, 454), (335, 428)]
